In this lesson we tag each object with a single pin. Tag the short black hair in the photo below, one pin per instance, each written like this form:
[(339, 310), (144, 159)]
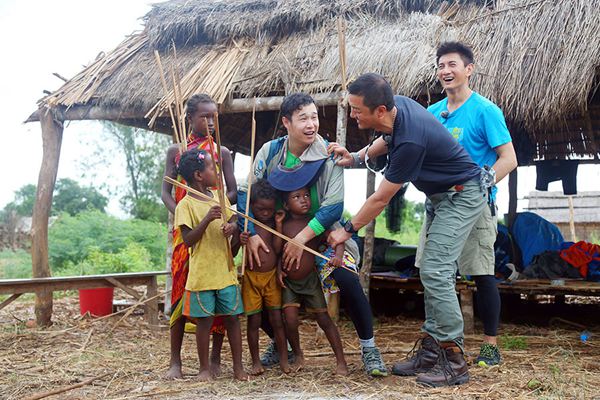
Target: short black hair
[(191, 106), (293, 102), (374, 89), (462, 49), (262, 189), (284, 196), (190, 162)]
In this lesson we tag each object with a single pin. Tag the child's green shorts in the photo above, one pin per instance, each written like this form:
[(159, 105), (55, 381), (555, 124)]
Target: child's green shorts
[(209, 303)]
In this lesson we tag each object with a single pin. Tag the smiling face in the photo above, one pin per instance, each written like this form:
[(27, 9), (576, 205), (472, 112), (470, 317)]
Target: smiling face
[(205, 112), (303, 126), (298, 202), (365, 118), (263, 209), (453, 73)]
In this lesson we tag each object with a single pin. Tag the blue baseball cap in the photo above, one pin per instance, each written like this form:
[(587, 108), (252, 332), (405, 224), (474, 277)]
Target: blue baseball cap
[(296, 177)]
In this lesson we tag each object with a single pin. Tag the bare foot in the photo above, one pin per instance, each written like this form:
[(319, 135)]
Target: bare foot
[(299, 363), (240, 374), (257, 369), (342, 369), (285, 367), (174, 372), (215, 369), (205, 375)]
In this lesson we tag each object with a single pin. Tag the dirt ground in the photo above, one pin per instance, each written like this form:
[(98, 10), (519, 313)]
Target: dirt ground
[(130, 361)]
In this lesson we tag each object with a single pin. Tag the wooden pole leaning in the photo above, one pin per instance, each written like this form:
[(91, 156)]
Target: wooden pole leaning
[(219, 178), (163, 81), (250, 179)]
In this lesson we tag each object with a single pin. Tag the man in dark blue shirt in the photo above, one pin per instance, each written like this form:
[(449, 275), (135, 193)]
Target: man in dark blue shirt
[(419, 150)]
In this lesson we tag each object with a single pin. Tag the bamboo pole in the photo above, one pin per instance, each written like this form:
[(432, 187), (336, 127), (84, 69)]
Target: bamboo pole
[(219, 178), (250, 175), (166, 90), (255, 221)]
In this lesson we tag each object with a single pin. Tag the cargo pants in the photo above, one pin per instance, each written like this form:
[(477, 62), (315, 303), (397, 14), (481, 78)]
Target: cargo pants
[(456, 213)]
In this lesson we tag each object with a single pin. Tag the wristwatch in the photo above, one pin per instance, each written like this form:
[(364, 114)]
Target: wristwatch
[(356, 161), (348, 227)]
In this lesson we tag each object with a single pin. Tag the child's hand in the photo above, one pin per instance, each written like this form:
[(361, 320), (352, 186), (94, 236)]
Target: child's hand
[(336, 261), (279, 216), (213, 213), (244, 236), (229, 229), (280, 275)]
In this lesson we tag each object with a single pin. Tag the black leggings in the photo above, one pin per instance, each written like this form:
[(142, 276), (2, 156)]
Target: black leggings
[(356, 304), (488, 303)]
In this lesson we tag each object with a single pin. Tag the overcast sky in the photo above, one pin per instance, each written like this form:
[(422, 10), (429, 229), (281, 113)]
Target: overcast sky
[(42, 37)]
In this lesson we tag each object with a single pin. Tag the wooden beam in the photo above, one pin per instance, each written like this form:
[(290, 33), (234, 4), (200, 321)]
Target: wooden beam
[(52, 132), (369, 243), (342, 121), (124, 288), (9, 300), (273, 103), (90, 112), (512, 196)]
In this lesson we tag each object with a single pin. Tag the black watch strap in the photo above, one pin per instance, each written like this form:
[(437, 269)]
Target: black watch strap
[(348, 227)]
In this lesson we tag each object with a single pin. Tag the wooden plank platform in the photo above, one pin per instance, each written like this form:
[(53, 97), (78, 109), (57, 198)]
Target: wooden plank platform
[(124, 281)]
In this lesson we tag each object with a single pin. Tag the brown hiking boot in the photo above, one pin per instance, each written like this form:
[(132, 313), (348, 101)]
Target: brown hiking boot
[(421, 358), (450, 369)]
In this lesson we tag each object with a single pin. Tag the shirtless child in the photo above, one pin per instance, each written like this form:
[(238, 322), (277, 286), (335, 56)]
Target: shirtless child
[(259, 285), (302, 285)]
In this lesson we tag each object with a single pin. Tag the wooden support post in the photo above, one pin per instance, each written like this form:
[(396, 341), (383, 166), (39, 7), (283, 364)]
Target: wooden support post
[(151, 308), (572, 219), (342, 120), (168, 261), (512, 199), (369, 243), (466, 306), (52, 132)]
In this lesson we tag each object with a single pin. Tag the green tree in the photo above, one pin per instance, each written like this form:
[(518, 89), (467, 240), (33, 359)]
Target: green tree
[(69, 197), (144, 153), (72, 198), (71, 239)]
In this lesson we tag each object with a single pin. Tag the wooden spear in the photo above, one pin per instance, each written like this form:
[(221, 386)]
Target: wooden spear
[(219, 178), (250, 178), (182, 147)]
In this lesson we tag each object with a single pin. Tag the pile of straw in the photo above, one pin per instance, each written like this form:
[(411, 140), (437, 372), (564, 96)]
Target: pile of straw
[(130, 362)]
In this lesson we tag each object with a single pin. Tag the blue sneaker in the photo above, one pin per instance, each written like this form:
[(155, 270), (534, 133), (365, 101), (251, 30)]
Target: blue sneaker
[(373, 362), (270, 357)]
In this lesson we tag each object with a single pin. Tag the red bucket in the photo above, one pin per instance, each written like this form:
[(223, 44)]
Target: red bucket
[(98, 301)]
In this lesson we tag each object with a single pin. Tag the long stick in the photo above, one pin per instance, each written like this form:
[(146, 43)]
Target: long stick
[(256, 222), (250, 175), (342, 50), (63, 389), (220, 190), (166, 90)]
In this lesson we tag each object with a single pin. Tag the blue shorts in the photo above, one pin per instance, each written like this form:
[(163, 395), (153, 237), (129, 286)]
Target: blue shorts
[(209, 303)]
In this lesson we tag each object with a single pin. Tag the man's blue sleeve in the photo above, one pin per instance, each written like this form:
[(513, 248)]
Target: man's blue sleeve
[(328, 215), (496, 132)]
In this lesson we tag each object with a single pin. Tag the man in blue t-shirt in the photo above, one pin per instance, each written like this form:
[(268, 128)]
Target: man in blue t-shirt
[(479, 126), (419, 150)]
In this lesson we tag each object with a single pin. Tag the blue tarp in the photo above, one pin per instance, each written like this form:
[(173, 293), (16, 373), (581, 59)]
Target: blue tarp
[(534, 235)]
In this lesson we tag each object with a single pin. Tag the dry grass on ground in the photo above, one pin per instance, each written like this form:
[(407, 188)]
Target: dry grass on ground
[(540, 363)]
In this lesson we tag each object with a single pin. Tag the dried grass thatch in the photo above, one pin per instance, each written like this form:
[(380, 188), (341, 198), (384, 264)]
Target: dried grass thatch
[(537, 59), (132, 361)]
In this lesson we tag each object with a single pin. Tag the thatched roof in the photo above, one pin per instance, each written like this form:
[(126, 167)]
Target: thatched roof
[(538, 59)]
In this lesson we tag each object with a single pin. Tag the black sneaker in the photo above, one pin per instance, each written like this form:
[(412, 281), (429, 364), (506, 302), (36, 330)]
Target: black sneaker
[(373, 362), (488, 355)]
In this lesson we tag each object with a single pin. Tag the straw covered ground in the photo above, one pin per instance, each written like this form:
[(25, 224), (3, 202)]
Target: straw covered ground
[(130, 361)]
